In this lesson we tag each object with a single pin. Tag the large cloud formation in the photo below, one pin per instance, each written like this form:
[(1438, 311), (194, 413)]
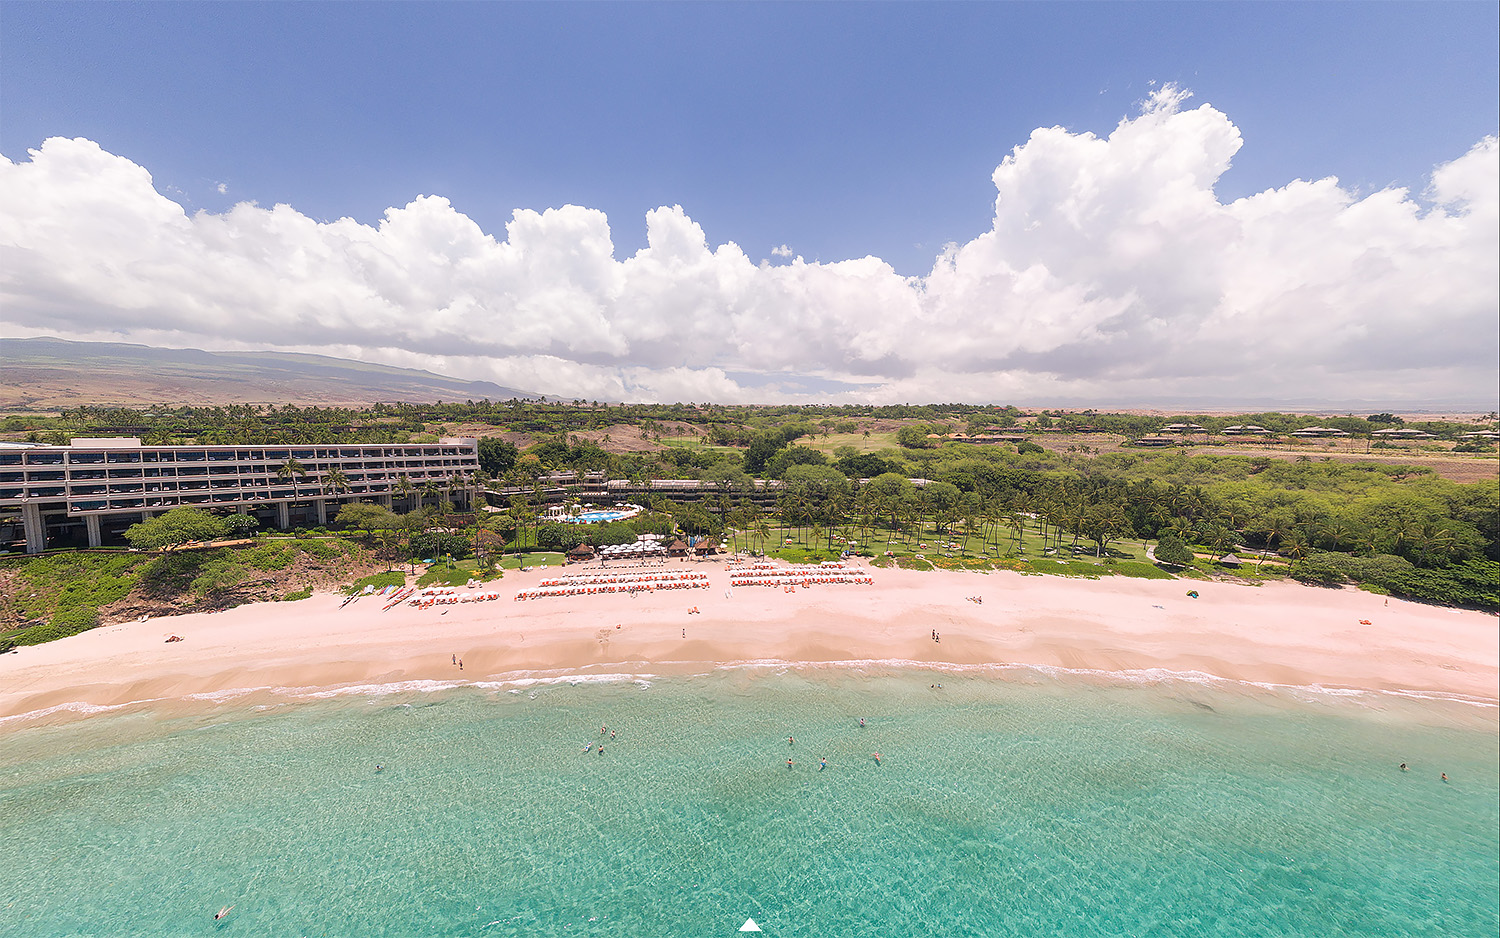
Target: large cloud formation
[(1112, 272)]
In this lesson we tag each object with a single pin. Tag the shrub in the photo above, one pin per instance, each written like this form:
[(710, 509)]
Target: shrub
[(241, 525), (295, 595), (1319, 569), (65, 623), (323, 550), (76, 619), (1473, 583), (219, 575), (267, 557), (437, 544), (1172, 551), (378, 581)]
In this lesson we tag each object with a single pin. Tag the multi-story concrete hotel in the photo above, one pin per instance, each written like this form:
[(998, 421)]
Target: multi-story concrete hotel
[(87, 494)]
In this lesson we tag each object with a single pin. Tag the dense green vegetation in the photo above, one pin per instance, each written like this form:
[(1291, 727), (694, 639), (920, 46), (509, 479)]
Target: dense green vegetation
[(61, 594), (723, 425)]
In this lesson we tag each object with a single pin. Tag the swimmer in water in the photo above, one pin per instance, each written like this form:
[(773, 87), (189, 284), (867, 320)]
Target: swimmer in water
[(789, 763), (790, 741), (588, 747), (822, 764), (379, 768), (1445, 776), (876, 756), (1403, 766), (223, 912), (861, 721)]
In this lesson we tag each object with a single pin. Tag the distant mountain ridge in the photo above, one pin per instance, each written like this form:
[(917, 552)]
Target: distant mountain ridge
[(50, 374)]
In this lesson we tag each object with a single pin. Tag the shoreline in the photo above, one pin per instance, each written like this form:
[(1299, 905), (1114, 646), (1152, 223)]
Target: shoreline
[(1279, 635)]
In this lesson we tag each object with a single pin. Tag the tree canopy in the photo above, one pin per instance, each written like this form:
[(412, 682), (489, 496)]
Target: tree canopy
[(176, 527)]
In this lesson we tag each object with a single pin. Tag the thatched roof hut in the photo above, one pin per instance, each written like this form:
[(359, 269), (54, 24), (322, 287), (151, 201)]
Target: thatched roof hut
[(581, 553)]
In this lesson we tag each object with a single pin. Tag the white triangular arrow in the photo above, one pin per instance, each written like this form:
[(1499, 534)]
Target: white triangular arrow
[(749, 925)]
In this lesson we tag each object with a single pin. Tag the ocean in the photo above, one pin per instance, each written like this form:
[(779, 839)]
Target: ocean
[(1006, 802)]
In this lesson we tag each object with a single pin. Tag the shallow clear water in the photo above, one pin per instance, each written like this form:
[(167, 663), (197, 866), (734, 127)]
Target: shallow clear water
[(1015, 806)]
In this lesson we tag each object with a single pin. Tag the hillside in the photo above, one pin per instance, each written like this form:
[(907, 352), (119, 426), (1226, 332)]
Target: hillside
[(46, 374)]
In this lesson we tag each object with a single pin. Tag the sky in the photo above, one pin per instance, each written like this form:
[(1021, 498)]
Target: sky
[(1109, 204)]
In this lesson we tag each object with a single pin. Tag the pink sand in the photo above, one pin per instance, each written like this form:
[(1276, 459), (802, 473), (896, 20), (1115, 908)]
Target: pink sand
[(1281, 633)]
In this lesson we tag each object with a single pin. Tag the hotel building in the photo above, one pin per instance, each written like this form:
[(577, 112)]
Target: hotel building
[(88, 493)]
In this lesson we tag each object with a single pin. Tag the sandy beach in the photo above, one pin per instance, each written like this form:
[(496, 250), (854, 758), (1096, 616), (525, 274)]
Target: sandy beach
[(1281, 633)]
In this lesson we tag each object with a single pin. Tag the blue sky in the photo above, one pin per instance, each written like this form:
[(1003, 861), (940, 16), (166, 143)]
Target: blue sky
[(839, 130)]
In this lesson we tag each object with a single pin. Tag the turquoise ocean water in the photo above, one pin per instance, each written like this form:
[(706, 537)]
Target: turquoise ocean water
[(1006, 803)]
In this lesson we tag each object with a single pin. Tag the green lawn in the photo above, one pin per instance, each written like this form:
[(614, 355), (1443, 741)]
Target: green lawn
[(695, 443), (535, 558), (911, 550), (870, 444)]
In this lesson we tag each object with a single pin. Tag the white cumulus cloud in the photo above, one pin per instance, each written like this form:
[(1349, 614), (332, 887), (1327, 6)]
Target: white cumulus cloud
[(1112, 272)]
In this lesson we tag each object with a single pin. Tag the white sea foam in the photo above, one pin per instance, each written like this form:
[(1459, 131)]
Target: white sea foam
[(1145, 676), (229, 693), (76, 706), (368, 690), (517, 682)]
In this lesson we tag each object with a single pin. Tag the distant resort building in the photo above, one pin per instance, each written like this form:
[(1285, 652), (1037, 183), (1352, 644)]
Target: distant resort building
[(1403, 434), (1183, 428), (86, 494), (1246, 429), (977, 438), (1309, 432)]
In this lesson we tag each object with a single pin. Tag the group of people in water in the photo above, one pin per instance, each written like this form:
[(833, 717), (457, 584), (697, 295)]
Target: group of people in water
[(1442, 775), (822, 760), (603, 728)]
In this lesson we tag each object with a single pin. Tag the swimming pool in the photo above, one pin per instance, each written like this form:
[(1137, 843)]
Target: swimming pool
[(593, 517)]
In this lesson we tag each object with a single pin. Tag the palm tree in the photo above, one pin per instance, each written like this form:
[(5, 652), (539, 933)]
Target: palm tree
[(1016, 521), (762, 531), (405, 490), (457, 481), (291, 469), (334, 482), (1336, 533)]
